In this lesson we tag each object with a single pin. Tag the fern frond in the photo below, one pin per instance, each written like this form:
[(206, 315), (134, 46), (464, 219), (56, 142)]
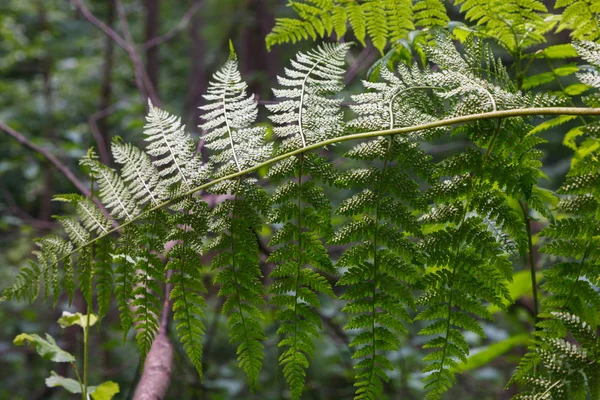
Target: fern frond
[(515, 24), (149, 272), (430, 13), (172, 149), (236, 145), (302, 209), (580, 16), (103, 271), (113, 191), (88, 212), (188, 229), (382, 20), (126, 276), (305, 115), (564, 369), (142, 177), (240, 273)]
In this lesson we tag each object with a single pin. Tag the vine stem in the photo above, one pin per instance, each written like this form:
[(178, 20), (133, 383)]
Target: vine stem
[(517, 112)]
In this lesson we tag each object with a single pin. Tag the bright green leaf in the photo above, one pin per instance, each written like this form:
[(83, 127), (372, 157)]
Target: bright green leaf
[(493, 351), (70, 385), (105, 391), (69, 319), (47, 348)]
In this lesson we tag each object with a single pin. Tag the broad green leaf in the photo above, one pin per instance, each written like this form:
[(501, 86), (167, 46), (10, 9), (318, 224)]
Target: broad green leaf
[(493, 351), (105, 391), (576, 89), (47, 348), (558, 52), (520, 286), (69, 319), (70, 385)]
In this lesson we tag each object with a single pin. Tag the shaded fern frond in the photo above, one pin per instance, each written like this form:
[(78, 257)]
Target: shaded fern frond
[(189, 228), (239, 271), (564, 369), (380, 261)]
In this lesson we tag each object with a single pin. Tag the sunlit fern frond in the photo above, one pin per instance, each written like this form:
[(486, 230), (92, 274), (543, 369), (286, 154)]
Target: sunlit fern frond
[(305, 114), (228, 119), (172, 149), (114, 193), (142, 177)]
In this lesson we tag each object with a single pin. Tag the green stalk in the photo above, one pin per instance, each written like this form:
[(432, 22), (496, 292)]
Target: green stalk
[(518, 112), (532, 268)]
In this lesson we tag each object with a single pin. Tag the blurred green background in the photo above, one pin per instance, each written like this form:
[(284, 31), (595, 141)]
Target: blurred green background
[(67, 87)]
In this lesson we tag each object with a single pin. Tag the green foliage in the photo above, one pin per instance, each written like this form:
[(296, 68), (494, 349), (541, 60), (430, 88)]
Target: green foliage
[(558, 367), (580, 16), (429, 241), (188, 228), (383, 21), (237, 146), (515, 24), (49, 350), (306, 115)]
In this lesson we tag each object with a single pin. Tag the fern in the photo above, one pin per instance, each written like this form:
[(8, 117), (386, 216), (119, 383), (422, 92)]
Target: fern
[(570, 369), (515, 24), (189, 227), (139, 173), (467, 256), (237, 146), (440, 237), (430, 13), (113, 191), (305, 116), (380, 263), (172, 149), (146, 293), (383, 21), (582, 17)]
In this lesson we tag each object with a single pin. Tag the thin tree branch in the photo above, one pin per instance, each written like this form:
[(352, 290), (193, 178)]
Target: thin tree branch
[(49, 156), (14, 208), (185, 21), (127, 44), (141, 75), (108, 31)]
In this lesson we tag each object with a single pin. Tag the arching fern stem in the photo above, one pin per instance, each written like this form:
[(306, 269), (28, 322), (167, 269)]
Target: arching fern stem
[(517, 112)]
